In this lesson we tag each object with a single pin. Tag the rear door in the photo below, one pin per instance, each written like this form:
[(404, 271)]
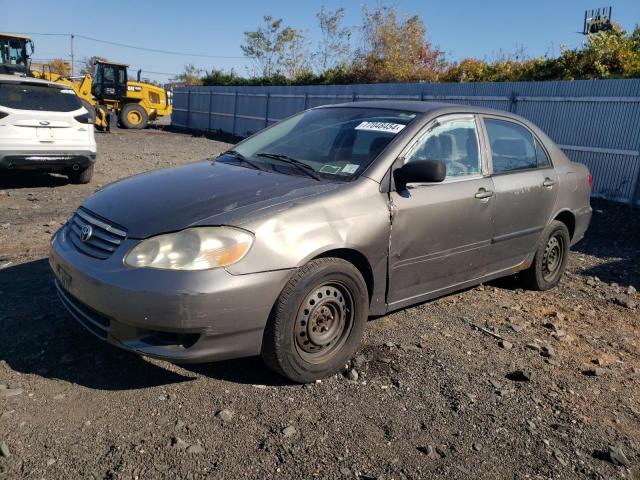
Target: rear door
[(526, 187), (441, 232)]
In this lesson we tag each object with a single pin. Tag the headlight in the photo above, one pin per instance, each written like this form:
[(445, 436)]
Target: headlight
[(199, 248)]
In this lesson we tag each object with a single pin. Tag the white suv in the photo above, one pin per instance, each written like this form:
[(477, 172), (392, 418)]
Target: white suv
[(45, 125)]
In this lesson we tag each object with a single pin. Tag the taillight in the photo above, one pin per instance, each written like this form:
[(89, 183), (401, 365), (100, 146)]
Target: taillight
[(590, 180), (84, 118)]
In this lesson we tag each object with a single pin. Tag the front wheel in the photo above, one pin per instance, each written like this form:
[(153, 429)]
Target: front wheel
[(317, 322), (550, 260), (134, 115)]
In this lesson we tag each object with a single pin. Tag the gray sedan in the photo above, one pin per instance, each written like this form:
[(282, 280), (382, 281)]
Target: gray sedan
[(286, 244)]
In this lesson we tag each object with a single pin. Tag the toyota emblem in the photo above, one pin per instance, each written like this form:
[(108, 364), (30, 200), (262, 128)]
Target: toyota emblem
[(86, 233)]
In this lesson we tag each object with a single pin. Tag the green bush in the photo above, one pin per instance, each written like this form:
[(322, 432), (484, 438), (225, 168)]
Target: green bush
[(611, 54)]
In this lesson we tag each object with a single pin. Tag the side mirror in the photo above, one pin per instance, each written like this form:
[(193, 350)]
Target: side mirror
[(420, 171)]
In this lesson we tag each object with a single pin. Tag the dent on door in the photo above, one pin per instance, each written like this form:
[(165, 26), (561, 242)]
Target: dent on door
[(440, 236)]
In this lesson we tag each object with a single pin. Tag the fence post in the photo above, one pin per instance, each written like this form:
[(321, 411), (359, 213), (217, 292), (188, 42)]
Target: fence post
[(210, 108), (266, 111), (353, 96), (235, 108), (513, 99), (189, 108), (306, 99), (635, 197)]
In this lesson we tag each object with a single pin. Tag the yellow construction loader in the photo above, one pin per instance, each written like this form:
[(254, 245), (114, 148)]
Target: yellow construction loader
[(115, 99)]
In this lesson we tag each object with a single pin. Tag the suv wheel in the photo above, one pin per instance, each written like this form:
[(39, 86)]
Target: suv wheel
[(81, 176), (550, 259), (317, 322)]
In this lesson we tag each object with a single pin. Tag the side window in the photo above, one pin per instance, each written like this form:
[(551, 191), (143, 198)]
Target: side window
[(541, 156), (455, 142), (512, 146)]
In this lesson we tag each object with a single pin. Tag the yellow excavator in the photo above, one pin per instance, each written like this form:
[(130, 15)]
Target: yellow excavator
[(114, 98)]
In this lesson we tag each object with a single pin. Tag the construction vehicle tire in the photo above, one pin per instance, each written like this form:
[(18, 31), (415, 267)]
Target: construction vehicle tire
[(133, 116)]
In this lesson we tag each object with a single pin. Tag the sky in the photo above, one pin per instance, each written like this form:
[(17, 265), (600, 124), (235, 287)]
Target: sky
[(461, 28)]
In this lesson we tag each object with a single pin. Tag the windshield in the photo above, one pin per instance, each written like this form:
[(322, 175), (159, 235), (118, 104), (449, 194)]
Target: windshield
[(13, 51), (332, 143), (28, 96)]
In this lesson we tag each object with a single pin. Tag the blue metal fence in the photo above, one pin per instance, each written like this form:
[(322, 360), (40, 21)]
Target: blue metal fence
[(596, 122)]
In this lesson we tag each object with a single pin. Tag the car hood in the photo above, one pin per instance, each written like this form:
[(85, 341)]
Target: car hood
[(202, 193)]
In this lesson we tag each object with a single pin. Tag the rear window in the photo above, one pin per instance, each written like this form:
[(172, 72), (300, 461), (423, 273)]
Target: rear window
[(25, 96)]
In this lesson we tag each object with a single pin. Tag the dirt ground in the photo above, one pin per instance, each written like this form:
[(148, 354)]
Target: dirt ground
[(437, 394)]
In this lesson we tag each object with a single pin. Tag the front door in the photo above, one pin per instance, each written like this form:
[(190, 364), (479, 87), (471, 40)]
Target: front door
[(110, 82), (526, 187), (441, 232)]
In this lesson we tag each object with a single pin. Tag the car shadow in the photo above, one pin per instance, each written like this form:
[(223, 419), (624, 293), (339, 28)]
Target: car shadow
[(614, 237), (40, 337), (217, 136), (30, 179), (249, 371)]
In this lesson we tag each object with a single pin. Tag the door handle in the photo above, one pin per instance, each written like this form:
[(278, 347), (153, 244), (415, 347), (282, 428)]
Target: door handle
[(483, 194), (548, 182)]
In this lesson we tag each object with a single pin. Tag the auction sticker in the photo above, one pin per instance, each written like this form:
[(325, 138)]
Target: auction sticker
[(350, 168), (381, 127)]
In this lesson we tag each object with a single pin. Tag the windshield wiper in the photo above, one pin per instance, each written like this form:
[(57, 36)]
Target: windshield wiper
[(237, 155), (302, 166)]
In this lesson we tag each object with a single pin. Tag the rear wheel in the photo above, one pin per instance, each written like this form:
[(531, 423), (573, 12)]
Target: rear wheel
[(81, 176), (317, 322), (133, 115), (550, 259)]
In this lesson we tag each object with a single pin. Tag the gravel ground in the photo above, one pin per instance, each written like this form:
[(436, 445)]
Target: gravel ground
[(493, 382)]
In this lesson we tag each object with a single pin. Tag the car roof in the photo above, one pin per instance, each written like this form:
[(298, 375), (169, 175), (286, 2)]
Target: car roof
[(36, 81), (422, 106)]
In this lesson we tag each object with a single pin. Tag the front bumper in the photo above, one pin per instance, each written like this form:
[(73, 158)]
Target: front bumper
[(178, 316), (46, 160)]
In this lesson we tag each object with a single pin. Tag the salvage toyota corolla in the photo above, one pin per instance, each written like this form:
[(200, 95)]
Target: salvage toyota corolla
[(284, 245)]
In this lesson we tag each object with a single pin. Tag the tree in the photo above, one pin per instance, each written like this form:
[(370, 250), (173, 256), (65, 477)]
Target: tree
[(334, 48), (59, 66), (89, 65), (293, 59), (396, 50), (276, 49), (192, 75)]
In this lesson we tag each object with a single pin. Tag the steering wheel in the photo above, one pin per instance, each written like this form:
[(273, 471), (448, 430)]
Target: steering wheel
[(456, 169)]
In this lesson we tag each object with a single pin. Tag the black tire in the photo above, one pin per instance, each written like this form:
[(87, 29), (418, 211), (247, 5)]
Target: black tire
[(81, 176), (131, 111), (550, 260), (326, 305)]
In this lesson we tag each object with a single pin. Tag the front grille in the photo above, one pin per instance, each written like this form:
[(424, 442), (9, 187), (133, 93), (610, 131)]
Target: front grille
[(100, 238)]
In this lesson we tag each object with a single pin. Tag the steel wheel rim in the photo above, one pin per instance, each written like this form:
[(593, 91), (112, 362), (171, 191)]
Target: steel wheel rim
[(324, 322), (553, 257), (134, 117)]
